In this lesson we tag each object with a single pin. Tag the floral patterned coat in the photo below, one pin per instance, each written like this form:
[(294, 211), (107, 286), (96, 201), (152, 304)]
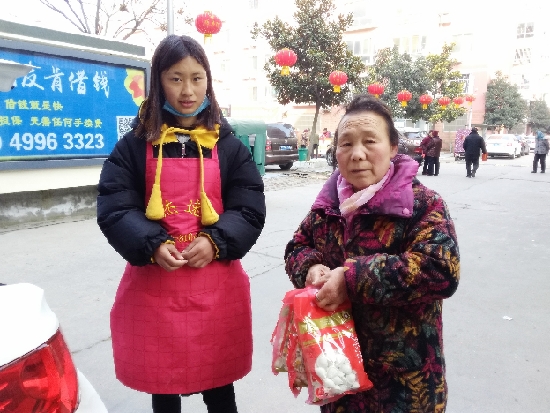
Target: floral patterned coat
[(402, 257)]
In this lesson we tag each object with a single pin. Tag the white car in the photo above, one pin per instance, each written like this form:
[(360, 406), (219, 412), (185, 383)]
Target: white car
[(531, 140), (37, 373), (503, 145)]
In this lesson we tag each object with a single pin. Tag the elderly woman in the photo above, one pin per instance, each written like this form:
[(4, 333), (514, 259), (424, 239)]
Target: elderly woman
[(378, 237)]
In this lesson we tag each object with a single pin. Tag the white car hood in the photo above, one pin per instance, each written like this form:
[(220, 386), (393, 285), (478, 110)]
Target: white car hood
[(26, 321)]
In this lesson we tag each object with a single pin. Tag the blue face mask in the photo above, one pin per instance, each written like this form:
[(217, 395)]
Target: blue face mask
[(169, 108)]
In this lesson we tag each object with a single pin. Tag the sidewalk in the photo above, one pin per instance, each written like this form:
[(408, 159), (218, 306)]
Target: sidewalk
[(34, 197)]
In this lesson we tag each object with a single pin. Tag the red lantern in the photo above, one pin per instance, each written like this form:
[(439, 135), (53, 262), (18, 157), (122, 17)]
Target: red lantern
[(208, 24), (404, 96), (444, 101), (470, 99), (425, 100), (285, 58), (376, 89), (337, 79), (459, 100)]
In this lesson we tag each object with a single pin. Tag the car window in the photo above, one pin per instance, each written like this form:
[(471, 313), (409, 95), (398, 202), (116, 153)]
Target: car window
[(413, 135), (280, 130)]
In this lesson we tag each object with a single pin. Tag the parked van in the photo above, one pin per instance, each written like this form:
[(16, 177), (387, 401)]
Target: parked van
[(281, 147)]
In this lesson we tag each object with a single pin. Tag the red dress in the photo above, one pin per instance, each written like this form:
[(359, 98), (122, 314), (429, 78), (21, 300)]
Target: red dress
[(189, 330)]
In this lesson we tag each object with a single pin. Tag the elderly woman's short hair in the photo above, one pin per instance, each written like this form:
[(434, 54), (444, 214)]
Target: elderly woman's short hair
[(368, 103)]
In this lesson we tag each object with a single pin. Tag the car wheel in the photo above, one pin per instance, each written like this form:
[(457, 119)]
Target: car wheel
[(286, 166), (513, 155)]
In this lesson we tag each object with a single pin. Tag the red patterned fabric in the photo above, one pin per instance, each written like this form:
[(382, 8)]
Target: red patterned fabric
[(188, 330)]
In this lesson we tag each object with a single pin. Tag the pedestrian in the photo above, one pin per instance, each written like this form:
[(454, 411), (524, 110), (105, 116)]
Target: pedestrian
[(473, 144), (314, 142), (305, 139), (541, 150), (371, 237), (181, 200), (432, 154), (424, 146)]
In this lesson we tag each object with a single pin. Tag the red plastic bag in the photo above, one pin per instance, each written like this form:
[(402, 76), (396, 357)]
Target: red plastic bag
[(287, 354), (330, 348)]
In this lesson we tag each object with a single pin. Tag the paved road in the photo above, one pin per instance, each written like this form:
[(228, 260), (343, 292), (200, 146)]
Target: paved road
[(494, 364)]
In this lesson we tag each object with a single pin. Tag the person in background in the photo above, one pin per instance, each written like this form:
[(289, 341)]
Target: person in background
[(424, 146), (378, 237), (541, 150), (182, 201), (304, 142), (314, 142), (433, 152), (473, 144)]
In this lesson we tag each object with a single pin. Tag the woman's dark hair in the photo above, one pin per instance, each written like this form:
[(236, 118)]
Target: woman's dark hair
[(368, 103), (170, 51)]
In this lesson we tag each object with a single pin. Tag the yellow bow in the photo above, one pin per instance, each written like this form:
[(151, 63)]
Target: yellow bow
[(202, 137)]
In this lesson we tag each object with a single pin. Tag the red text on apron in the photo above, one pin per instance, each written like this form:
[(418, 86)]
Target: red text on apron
[(188, 330)]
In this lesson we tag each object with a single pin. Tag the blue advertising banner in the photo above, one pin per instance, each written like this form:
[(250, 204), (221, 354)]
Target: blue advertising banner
[(67, 107)]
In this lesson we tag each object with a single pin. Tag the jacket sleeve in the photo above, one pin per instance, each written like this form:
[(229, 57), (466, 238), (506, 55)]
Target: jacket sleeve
[(243, 218), (300, 252), (465, 144), (426, 270), (483, 147), (121, 204)]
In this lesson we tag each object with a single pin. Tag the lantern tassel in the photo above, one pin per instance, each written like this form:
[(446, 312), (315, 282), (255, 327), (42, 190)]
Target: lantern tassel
[(403, 103), (337, 88), (285, 71), (424, 106)]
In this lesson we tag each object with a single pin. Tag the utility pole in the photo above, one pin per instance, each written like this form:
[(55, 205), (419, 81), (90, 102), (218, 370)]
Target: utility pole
[(169, 17)]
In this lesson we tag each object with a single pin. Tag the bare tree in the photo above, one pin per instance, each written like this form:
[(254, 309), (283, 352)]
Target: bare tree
[(115, 18)]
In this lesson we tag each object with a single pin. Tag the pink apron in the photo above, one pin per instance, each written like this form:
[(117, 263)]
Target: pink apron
[(189, 330)]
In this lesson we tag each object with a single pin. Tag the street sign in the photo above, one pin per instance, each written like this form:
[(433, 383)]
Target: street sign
[(67, 107)]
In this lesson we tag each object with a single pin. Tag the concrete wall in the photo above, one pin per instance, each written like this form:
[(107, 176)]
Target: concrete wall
[(35, 208)]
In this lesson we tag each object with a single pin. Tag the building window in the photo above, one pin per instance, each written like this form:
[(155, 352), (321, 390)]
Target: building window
[(254, 62), (525, 30), (363, 48), (254, 93), (412, 45), (463, 43), (253, 4), (523, 56), (465, 80), (361, 17), (418, 44)]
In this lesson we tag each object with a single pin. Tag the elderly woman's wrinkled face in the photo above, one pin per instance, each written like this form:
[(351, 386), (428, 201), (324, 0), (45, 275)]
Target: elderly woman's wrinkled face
[(364, 150)]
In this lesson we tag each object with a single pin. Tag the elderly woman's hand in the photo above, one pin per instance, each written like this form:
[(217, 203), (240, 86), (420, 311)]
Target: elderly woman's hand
[(333, 292), (316, 275)]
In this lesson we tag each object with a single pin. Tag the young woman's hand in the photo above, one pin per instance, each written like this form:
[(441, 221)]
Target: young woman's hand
[(168, 257), (199, 253), (316, 275), (333, 292)]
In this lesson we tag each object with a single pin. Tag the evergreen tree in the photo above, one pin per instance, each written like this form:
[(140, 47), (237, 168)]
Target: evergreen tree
[(504, 105), (316, 38), (539, 115), (433, 74)]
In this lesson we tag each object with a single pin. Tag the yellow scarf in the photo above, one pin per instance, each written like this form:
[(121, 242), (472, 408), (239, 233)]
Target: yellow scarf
[(202, 137)]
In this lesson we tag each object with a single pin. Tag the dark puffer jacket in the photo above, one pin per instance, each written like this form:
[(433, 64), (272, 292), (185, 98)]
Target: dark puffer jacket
[(473, 144), (401, 265), (121, 201)]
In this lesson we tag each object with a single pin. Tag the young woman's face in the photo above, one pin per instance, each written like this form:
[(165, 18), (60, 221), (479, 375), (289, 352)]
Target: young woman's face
[(184, 85), (364, 150)]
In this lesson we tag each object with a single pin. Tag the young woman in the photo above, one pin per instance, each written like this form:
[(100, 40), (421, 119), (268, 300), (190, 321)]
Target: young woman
[(181, 200), (376, 236)]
